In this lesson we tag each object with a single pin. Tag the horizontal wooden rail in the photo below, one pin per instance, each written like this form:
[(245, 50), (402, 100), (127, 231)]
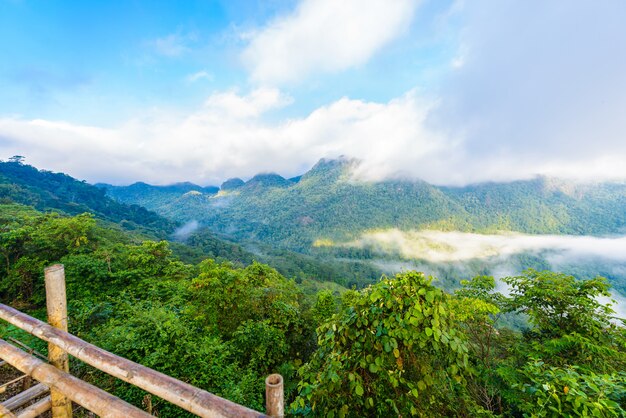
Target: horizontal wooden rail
[(36, 409), (26, 396), (84, 394), (189, 398)]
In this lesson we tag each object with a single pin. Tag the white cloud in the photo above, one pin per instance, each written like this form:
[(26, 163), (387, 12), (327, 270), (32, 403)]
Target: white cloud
[(532, 90), (437, 246), (232, 105), (563, 252), (230, 136), (324, 36), (538, 88), (200, 75), (173, 45), (227, 137)]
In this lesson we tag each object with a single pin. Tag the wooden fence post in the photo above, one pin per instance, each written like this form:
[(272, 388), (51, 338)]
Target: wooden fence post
[(274, 396), (56, 303)]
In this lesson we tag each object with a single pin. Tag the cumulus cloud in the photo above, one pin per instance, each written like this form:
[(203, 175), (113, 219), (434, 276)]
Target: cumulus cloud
[(230, 137), (232, 105), (323, 36), (534, 89), (225, 138)]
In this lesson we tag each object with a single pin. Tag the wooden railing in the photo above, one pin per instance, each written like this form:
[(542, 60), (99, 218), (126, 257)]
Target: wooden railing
[(65, 388)]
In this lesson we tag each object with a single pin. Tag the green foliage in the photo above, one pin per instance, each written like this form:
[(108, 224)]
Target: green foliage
[(325, 306), (558, 304), (260, 345), (159, 337), (44, 190), (204, 244), (568, 363), (229, 296), (149, 196), (226, 299), (30, 241), (557, 392), (570, 325), (395, 351), (397, 348)]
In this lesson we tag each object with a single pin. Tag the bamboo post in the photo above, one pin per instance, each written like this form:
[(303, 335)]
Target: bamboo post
[(56, 303), (274, 396)]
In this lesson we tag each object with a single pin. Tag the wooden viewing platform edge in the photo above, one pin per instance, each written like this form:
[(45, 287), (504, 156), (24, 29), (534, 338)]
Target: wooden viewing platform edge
[(184, 395)]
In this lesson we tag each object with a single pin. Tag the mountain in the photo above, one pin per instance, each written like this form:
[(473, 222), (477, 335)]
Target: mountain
[(147, 195), (45, 190), (232, 184), (328, 225), (328, 204), (266, 180)]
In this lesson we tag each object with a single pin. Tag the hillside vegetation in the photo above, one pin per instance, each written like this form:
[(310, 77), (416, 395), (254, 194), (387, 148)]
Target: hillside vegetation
[(206, 312), (400, 347), (328, 203), (45, 190), (48, 191)]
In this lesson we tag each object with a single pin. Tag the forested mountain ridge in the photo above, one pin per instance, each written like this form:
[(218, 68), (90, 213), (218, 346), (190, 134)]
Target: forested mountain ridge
[(329, 203), (148, 195), (45, 190)]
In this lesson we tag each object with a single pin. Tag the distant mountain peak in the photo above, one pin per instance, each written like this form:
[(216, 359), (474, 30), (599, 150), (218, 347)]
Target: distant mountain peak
[(331, 169), (232, 184), (268, 180), (333, 163)]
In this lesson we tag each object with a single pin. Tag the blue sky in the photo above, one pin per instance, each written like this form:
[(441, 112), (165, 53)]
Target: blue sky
[(102, 61), (448, 91)]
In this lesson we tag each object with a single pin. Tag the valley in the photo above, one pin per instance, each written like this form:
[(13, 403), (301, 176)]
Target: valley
[(181, 278), (451, 232)]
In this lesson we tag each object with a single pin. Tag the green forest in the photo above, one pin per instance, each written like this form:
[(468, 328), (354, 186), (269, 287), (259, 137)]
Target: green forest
[(211, 313), (328, 203)]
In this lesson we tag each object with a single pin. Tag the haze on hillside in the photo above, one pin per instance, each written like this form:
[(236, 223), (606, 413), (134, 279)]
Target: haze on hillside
[(451, 92)]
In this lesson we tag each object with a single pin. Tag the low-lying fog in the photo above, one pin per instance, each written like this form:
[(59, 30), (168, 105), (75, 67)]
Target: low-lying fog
[(437, 246), (452, 256)]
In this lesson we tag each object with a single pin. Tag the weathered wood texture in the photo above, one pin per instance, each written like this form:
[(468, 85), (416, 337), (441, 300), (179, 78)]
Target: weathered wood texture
[(36, 409), (84, 394), (274, 396), (5, 386), (26, 396), (56, 303), (5, 412), (190, 398)]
